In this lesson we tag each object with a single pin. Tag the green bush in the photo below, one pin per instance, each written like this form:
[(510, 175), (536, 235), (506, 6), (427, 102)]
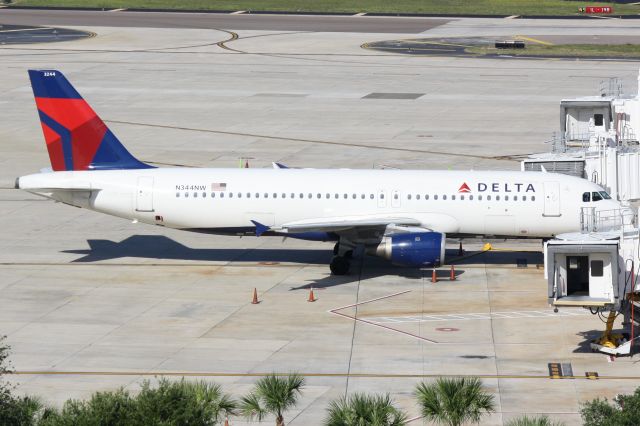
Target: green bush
[(623, 411), (362, 409), (533, 421), (169, 403)]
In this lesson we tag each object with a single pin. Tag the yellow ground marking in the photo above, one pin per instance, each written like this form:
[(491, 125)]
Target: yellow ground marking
[(337, 375), (534, 40)]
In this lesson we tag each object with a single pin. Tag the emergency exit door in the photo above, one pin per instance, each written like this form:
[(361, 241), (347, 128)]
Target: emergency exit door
[(551, 199), (144, 194)]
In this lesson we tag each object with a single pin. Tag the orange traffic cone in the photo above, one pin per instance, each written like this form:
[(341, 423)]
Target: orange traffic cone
[(452, 275), (312, 297), (434, 276), (255, 297)]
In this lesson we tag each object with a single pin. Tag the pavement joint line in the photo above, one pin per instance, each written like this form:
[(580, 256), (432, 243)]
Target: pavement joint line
[(320, 142), (310, 374), (534, 40)]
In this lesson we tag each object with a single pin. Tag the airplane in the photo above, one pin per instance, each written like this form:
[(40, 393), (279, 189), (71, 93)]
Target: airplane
[(404, 216)]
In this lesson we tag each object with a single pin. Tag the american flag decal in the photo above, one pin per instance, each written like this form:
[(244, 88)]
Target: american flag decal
[(217, 186)]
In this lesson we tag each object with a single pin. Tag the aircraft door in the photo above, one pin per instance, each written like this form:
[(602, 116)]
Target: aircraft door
[(551, 199), (382, 198), (144, 194), (395, 198)]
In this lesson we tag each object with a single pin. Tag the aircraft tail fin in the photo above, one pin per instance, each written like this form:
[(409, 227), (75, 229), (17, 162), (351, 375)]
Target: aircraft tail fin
[(76, 137)]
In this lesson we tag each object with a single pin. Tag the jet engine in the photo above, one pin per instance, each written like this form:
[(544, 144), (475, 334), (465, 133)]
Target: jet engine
[(412, 248)]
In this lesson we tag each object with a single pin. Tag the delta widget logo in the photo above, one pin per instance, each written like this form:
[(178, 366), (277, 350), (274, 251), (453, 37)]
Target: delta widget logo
[(464, 188)]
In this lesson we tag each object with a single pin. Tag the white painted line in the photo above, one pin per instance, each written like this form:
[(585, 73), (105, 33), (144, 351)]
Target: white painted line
[(238, 12), (512, 17), (360, 14), (117, 10)]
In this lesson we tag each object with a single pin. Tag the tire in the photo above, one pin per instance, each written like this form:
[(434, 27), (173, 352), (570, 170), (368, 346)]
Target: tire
[(339, 266)]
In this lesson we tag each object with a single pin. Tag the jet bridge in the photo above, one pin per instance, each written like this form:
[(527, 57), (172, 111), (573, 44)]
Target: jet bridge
[(597, 269)]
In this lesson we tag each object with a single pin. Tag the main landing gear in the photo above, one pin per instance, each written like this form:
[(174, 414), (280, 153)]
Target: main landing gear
[(341, 261)]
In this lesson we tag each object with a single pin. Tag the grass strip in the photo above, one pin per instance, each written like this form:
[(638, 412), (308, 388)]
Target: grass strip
[(455, 7), (630, 51)]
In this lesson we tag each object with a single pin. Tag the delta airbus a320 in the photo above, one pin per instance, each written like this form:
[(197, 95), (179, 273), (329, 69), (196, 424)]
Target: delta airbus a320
[(400, 215)]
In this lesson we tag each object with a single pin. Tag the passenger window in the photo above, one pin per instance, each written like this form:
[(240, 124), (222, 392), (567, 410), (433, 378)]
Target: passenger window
[(318, 195), (186, 195), (586, 197), (239, 194), (195, 195), (362, 196), (177, 195), (204, 195), (293, 195), (524, 198), (497, 198), (213, 195), (231, 195), (479, 197), (257, 195), (533, 198), (353, 196), (506, 198), (371, 196), (222, 195), (595, 196), (426, 196), (515, 198), (417, 196), (471, 197), (336, 196), (598, 119), (488, 197), (284, 195), (453, 197), (266, 195), (327, 196), (408, 196), (345, 196), (444, 197), (597, 268), (310, 196), (462, 197), (435, 197), (275, 195), (248, 195)]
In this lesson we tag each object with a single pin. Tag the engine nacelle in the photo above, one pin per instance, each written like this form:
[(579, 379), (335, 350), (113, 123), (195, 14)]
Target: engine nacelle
[(412, 249)]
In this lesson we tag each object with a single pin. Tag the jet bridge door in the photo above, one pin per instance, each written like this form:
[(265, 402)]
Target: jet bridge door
[(551, 199), (144, 194)]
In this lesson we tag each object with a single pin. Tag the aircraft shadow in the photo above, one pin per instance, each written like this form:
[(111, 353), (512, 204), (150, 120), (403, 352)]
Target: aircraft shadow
[(161, 247)]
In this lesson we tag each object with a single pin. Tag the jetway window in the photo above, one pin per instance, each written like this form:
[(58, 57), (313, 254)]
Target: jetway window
[(598, 120), (595, 196), (586, 197), (597, 268)]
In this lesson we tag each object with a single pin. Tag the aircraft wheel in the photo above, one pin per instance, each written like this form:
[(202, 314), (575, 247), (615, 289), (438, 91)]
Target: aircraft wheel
[(336, 248), (339, 265)]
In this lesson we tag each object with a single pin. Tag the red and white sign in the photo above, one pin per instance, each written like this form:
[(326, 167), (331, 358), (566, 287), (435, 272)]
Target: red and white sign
[(598, 9)]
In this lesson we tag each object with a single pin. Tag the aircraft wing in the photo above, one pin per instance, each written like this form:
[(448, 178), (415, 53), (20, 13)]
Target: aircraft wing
[(343, 224)]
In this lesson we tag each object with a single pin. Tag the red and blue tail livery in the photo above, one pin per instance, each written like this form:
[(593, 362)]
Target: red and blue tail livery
[(77, 139)]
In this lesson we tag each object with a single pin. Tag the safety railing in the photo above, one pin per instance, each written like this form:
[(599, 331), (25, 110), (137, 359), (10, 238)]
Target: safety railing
[(592, 220)]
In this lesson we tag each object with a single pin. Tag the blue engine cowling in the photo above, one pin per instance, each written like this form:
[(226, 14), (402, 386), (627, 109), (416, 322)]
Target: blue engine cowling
[(413, 249)]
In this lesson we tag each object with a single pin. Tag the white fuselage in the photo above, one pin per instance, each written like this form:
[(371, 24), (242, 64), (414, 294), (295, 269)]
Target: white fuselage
[(516, 204)]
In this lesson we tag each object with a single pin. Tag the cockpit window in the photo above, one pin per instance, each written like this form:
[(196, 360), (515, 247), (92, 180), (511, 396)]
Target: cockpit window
[(595, 196), (605, 195), (586, 197)]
